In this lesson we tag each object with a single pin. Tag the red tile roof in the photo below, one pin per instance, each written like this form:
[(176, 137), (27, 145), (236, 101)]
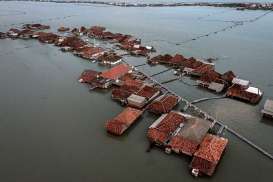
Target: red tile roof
[(209, 153), (164, 104), (88, 76), (122, 121), (211, 148), (116, 72), (169, 124), (147, 91)]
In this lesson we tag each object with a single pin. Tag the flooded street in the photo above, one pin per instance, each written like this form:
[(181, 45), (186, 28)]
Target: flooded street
[(52, 127)]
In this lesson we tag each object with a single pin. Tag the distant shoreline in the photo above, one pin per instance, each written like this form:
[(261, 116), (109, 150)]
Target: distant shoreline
[(238, 6)]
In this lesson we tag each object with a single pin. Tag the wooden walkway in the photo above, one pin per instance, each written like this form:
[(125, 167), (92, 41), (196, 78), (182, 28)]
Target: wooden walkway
[(212, 119)]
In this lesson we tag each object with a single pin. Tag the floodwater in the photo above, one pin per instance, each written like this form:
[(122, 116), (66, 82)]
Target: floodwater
[(52, 127)]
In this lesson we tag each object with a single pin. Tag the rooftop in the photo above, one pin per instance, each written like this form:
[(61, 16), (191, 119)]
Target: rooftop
[(88, 76), (268, 107), (123, 120), (163, 104), (194, 129), (211, 148), (116, 72), (241, 82)]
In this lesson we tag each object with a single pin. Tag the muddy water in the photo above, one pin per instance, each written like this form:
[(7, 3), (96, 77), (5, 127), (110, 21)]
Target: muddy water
[(52, 127)]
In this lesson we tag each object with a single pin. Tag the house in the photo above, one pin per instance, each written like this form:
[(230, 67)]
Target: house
[(161, 130), (3, 35), (207, 157), (119, 124), (63, 29), (49, 38), (109, 59), (36, 26), (163, 104), (140, 98), (90, 53), (162, 59), (241, 82), (188, 136), (26, 34), (88, 76), (116, 72), (249, 94), (268, 108), (13, 33), (136, 101), (216, 87)]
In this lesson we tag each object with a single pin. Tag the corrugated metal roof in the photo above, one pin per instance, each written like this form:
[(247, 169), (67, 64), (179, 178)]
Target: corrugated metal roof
[(136, 98), (241, 82), (218, 87), (268, 106), (254, 90)]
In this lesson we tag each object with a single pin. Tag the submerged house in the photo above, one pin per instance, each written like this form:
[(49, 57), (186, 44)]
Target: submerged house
[(116, 72), (160, 59), (268, 108), (189, 135), (88, 76), (26, 34), (92, 78), (109, 58), (36, 26), (3, 35), (127, 86), (90, 53), (207, 157), (49, 38), (161, 130), (13, 33), (163, 104), (63, 29), (119, 124), (212, 80), (140, 98), (241, 89)]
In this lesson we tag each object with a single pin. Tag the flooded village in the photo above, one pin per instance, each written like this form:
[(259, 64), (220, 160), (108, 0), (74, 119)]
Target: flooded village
[(178, 126)]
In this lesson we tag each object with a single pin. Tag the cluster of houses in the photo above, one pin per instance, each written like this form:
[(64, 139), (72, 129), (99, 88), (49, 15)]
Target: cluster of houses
[(72, 42), (238, 5), (207, 77), (173, 131), (187, 135)]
